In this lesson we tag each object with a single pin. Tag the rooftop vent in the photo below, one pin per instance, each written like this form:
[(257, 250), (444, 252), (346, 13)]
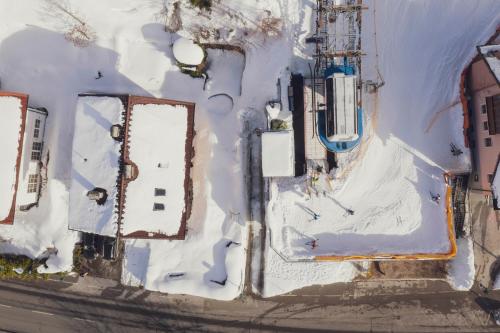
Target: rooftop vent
[(130, 171), (116, 132), (99, 195), (158, 206), (160, 192)]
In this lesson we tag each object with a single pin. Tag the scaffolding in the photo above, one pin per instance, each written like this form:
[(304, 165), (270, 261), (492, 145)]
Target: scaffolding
[(337, 33), (337, 39)]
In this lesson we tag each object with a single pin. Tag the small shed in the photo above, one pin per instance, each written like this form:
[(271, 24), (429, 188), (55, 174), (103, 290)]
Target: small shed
[(277, 154)]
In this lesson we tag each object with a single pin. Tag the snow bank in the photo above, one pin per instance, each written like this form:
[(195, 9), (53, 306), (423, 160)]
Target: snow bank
[(461, 269), (10, 130), (282, 277), (165, 266), (95, 162), (157, 146), (49, 234), (187, 52)]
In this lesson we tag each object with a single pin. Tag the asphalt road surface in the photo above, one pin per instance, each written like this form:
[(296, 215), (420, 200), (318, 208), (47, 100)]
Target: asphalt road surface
[(411, 307)]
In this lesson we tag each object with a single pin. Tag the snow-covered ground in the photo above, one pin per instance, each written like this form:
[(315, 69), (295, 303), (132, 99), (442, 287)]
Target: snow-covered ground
[(422, 47), (461, 269), (406, 149)]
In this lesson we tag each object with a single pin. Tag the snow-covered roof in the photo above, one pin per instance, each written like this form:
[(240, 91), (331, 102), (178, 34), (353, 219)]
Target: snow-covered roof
[(277, 154), (95, 160), (187, 52), (491, 54), (159, 140), (341, 107), (12, 119)]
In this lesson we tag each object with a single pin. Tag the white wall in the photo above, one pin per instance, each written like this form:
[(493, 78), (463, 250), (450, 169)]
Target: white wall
[(29, 166)]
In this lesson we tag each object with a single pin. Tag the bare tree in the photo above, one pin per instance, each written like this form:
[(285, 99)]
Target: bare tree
[(78, 31), (174, 21)]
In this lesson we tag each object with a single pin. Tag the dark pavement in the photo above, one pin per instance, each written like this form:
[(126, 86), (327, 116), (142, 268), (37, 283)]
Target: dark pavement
[(402, 306)]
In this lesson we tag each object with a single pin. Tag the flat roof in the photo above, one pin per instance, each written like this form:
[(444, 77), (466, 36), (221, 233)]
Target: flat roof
[(95, 164), (157, 202), (13, 108), (277, 154), (342, 104)]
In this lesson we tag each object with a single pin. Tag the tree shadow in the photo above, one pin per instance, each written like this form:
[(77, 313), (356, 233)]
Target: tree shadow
[(53, 72)]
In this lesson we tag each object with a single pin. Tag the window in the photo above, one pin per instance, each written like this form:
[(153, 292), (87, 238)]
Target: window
[(37, 123), (36, 153), (37, 146), (158, 206), (36, 132), (490, 178), (160, 192), (483, 108), (36, 156), (493, 110), (32, 183), (487, 142), (485, 125)]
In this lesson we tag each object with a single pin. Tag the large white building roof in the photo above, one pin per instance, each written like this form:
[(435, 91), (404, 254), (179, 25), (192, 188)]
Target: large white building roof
[(12, 115), (95, 160), (277, 154)]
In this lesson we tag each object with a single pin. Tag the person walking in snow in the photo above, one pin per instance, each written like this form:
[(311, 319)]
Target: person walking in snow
[(435, 197), (313, 244)]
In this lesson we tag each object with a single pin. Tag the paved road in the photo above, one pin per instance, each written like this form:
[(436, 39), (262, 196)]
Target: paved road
[(394, 307)]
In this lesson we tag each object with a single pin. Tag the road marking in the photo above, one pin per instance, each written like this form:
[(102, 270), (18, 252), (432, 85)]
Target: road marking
[(89, 320), (5, 306), (44, 313)]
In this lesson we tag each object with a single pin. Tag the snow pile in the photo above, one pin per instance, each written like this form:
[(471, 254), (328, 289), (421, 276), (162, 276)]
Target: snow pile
[(164, 266), (10, 131), (461, 269), (284, 276), (187, 52), (95, 161), (157, 146)]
